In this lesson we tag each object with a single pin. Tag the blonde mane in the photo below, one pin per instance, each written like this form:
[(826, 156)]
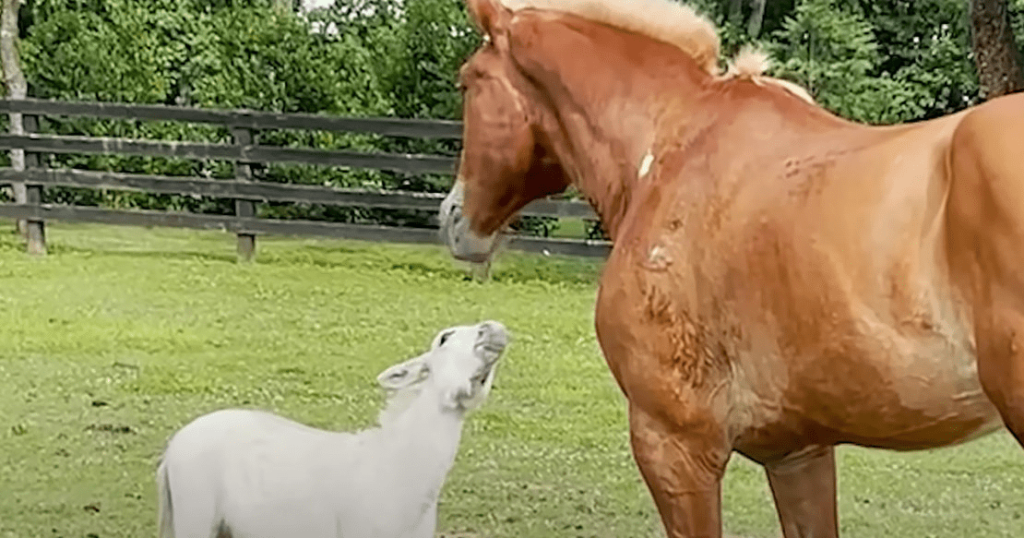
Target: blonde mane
[(752, 62), (671, 22)]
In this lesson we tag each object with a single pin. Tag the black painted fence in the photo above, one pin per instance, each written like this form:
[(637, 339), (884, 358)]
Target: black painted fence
[(244, 189)]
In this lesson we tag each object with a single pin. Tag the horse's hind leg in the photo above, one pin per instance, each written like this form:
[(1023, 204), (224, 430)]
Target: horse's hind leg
[(985, 222), (804, 487)]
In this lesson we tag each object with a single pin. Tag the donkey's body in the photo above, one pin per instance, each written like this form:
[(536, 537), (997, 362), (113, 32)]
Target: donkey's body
[(252, 474), (337, 484), (782, 280)]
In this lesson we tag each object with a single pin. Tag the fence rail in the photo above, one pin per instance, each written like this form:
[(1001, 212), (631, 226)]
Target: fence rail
[(410, 164), (244, 189), (248, 119)]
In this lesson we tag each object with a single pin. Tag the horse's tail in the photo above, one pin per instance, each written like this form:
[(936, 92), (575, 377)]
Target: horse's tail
[(165, 513)]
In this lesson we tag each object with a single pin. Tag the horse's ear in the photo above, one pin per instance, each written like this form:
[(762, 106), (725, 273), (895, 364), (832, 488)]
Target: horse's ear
[(402, 375), (488, 15)]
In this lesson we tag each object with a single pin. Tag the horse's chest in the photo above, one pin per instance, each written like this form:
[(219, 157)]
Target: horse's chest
[(654, 330)]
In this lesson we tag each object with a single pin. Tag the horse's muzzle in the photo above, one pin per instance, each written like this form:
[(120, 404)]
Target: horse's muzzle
[(463, 243)]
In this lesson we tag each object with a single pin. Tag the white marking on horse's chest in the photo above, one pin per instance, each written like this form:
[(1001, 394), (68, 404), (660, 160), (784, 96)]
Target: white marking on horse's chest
[(645, 164), (658, 259), (657, 252)]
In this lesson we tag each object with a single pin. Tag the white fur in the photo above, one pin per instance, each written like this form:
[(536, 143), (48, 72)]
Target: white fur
[(645, 165), (252, 474)]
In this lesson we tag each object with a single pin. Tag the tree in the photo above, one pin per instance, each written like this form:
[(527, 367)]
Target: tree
[(995, 49), (14, 82), (756, 18)]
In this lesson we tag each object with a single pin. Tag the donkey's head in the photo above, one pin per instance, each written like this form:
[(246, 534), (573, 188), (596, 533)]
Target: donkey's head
[(459, 367)]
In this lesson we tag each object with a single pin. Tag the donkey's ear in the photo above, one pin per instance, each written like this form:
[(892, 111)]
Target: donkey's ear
[(403, 374), (488, 15)]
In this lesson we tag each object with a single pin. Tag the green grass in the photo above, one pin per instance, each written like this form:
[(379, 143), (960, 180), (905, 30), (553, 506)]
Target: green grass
[(121, 335)]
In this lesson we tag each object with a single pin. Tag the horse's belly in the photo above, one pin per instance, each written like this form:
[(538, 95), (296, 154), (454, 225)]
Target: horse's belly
[(908, 395), (935, 400), (920, 411)]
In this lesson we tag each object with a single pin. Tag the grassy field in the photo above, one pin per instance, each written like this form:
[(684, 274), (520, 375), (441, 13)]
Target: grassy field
[(122, 335)]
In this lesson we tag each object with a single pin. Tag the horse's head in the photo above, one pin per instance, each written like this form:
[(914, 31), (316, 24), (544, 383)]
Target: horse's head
[(505, 161)]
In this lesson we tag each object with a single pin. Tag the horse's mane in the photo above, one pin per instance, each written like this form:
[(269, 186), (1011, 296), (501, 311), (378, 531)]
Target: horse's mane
[(671, 22), (752, 62), (674, 23)]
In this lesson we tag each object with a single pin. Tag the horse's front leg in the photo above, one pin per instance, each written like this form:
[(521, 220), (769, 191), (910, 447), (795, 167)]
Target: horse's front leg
[(683, 465), (804, 487)]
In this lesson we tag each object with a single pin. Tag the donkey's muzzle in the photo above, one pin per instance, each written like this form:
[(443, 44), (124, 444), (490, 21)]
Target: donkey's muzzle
[(492, 339)]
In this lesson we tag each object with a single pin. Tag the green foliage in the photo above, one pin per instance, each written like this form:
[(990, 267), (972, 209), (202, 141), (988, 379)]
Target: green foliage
[(261, 59), (882, 61), (926, 47), (174, 52), (117, 50), (832, 52)]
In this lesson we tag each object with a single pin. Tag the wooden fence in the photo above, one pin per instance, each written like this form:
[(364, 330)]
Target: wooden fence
[(246, 190)]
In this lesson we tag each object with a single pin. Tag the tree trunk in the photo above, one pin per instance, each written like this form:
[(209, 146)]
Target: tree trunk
[(756, 18), (736, 12), (17, 88), (995, 49)]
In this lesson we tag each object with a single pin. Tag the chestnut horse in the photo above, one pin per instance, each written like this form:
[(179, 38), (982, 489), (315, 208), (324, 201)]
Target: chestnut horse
[(782, 280)]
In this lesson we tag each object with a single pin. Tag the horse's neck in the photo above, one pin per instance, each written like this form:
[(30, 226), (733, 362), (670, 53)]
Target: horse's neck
[(615, 152), (607, 107)]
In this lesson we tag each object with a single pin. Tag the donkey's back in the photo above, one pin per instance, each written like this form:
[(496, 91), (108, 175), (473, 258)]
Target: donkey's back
[(246, 473)]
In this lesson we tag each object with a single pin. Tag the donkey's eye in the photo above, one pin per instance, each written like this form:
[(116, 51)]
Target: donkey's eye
[(444, 338)]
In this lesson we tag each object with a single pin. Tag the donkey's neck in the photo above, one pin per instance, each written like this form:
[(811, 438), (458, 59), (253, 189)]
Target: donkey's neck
[(608, 107), (420, 444)]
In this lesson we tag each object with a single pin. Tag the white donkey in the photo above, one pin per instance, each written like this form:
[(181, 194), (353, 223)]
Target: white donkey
[(250, 474)]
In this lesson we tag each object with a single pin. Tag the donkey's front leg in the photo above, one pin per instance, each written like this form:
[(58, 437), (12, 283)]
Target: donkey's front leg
[(683, 465), (804, 487)]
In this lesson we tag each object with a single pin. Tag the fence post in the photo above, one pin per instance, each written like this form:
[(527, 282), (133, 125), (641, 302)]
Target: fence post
[(244, 208), (35, 229)]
